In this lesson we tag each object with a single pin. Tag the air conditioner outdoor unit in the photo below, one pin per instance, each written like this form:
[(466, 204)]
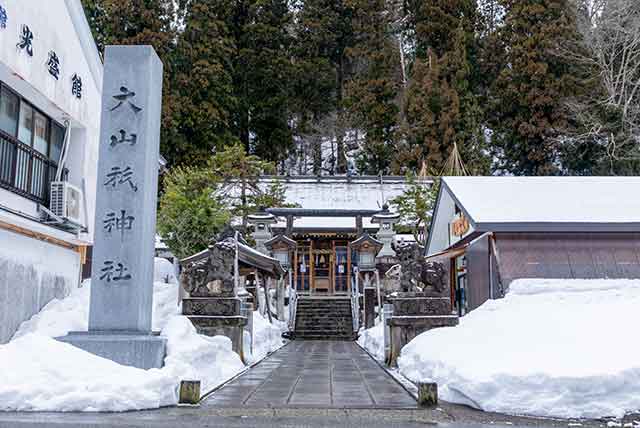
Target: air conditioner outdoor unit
[(66, 201)]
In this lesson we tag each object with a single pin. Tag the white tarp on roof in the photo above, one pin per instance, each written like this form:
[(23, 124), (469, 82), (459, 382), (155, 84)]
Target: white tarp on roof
[(548, 199), (339, 194), (328, 222)]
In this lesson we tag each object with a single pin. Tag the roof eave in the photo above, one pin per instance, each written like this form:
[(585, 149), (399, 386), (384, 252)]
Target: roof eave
[(558, 227)]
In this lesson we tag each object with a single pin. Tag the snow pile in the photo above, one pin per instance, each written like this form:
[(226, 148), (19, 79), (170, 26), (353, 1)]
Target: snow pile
[(47, 375), (372, 340), (550, 348), (164, 271), (195, 356), (60, 316), (266, 337)]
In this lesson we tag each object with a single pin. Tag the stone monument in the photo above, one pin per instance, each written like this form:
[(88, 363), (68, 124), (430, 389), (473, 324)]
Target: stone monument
[(125, 219), (423, 303)]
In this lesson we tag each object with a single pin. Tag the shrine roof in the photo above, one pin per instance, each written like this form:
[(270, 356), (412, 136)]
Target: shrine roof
[(340, 192)]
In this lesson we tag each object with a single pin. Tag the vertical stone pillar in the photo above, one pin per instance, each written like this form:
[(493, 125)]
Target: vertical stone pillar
[(427, 394), (126, 197), (387, 313), (280, 299), (359, 226), (369, 307)]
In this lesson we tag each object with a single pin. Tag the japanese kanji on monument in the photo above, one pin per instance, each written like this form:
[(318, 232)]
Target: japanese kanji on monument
[(124, 231)]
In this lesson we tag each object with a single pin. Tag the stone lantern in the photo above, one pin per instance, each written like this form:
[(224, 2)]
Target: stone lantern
[(282, 249), (367, 248), (262, 223), (385, 234)]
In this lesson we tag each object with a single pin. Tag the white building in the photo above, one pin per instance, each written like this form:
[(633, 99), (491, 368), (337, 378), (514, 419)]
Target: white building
[(51, 80)]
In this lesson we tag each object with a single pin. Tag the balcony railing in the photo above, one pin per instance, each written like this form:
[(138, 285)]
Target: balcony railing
[(26, 171)]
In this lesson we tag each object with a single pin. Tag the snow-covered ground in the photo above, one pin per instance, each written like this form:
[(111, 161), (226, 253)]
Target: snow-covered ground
[(372, 340), (559, 348), (43, 374)]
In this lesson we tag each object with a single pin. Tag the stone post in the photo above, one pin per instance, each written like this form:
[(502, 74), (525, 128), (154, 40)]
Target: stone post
[(125, 217), (189, 392), (247, 311), (369, 307), (427, 394), (387, 313), (280, 300)]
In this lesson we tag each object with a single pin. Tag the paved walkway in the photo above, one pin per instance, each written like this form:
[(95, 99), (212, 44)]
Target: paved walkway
[(314, 374)]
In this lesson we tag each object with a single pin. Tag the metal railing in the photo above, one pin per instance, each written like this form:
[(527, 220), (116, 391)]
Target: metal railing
[(25, 171)]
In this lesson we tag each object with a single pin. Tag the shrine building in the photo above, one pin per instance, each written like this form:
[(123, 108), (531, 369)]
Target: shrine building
[(337, 240)]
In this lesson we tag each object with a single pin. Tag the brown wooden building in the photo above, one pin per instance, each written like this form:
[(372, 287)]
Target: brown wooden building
[(493, 230)]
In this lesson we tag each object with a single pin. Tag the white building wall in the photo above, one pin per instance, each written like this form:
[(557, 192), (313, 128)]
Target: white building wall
[(444, 212), (56, 28), (32, 272)]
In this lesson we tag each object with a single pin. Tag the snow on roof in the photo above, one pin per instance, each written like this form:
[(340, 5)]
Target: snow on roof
[(160, 245), (566, 200), (340, 193), (327, 223)]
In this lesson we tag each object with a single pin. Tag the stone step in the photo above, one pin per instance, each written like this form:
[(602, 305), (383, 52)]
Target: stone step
[(323, 325), (323, 320), (327, 311), (329, 319), (326, 337), (323, 316)]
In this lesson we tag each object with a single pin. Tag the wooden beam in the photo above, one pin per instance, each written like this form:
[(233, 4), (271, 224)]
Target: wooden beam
[(41, 236)]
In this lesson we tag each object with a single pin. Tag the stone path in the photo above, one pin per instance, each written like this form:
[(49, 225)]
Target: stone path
[(314, 374)]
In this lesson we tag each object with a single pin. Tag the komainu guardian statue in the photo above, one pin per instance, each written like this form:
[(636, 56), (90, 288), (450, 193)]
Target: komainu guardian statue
[(213, 275), (418, 275)]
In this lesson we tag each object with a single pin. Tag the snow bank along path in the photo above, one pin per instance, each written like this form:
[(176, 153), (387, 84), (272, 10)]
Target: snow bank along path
[(40, 373), (563, 348)]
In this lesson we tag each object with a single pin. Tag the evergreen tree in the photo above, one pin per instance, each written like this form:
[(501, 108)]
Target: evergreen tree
[(238, 174), (323, 34), (434, 22), (204, 98), (373, 91), (261, 74), (189, 214), (528, 115), (142, 22), (133, 22), (441, 106), (433, 106)]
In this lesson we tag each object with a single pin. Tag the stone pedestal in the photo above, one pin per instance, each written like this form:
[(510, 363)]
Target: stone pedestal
[(144, 351), (413, 314), (213, 316)]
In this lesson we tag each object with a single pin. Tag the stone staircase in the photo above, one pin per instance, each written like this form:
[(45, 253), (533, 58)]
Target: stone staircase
[(324, 319)]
